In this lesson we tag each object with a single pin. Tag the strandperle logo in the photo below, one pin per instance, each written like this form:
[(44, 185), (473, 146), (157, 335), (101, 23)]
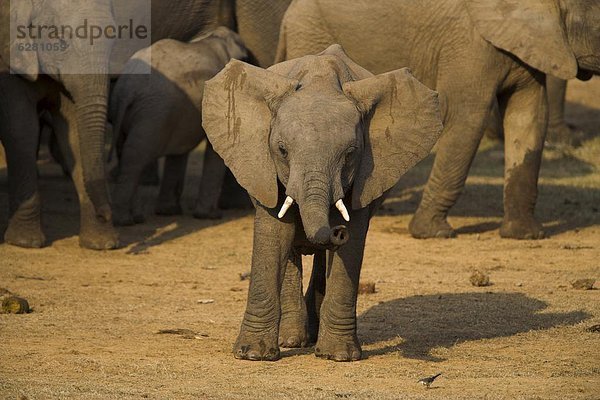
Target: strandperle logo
[(87, 31), (58, 36)]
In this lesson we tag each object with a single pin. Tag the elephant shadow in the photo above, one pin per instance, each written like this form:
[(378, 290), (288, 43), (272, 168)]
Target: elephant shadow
[(160, 229), (424, 323)]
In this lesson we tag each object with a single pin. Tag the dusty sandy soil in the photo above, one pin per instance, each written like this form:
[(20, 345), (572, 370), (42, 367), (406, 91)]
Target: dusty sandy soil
[(93, 330)]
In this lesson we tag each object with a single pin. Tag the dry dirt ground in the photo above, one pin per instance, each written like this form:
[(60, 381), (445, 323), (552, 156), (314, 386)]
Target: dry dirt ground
[(93, 330)]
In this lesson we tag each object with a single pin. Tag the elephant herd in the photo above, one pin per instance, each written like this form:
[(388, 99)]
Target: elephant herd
[(317, 109)]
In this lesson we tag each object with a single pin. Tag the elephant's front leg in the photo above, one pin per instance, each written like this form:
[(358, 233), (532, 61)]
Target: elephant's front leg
[(95, 233), (292, 328), (463, 129), (525, 122), (20, 136), (139, 151), (337, 330), (258, 338)]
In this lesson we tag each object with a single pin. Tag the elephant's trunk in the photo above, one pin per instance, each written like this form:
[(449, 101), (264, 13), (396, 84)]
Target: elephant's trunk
[(90, 95), (315, 203)]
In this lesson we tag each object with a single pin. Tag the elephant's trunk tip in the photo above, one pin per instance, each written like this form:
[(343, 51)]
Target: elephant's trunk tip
[(339, 235)]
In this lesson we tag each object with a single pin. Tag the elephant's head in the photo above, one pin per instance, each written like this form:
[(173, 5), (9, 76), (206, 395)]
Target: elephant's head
[(557, 37), (54, 37), (325, 128), (230, 44)]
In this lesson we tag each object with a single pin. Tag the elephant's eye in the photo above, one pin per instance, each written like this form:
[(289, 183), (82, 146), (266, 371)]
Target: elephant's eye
[(282, 150)]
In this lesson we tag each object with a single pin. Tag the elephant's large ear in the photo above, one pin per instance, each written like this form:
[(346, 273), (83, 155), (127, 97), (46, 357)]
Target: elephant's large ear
[(236, 115), (531, 30), (16, 16), (402, 123)]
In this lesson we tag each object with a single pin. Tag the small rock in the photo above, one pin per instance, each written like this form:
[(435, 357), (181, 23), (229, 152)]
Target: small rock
[(366, 287), (519, 284), (478, 278), (236, 289), (205, 301), (584, 284), (15, 305)]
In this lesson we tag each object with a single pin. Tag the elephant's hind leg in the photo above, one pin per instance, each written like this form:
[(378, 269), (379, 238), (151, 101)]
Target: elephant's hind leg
[(292, 327), (171, 187), (211, 184), (315, 294), (525, 122)]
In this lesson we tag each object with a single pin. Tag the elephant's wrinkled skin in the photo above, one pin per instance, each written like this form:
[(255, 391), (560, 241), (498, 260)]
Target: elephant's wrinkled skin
[(319, 130), (472, 52), (160, 114)]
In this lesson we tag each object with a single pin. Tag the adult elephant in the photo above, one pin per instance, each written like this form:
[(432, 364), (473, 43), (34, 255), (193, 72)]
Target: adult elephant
[(472, 52), (82, 72), (84, 96)]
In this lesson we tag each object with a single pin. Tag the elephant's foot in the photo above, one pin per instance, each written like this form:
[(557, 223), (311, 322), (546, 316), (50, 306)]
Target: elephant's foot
[(96, 233), (256, 347), (425, 225), (104, 238), (292, 331), (564, 134), (338, 347), (169, 208), (25, 227), (521, 228), (207, 213), (25, 235)]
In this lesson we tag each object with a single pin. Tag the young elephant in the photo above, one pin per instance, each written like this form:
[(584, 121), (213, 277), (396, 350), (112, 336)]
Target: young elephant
[(160, 114), (301, 137)]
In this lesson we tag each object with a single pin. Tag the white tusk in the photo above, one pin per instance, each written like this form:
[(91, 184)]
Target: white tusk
[(340, 206), (286, 205)]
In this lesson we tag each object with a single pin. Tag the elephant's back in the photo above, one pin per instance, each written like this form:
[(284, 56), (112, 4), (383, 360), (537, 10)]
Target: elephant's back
[(388, 34)]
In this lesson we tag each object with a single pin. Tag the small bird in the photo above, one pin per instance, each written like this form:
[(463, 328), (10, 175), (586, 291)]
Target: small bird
[(428, 381)]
